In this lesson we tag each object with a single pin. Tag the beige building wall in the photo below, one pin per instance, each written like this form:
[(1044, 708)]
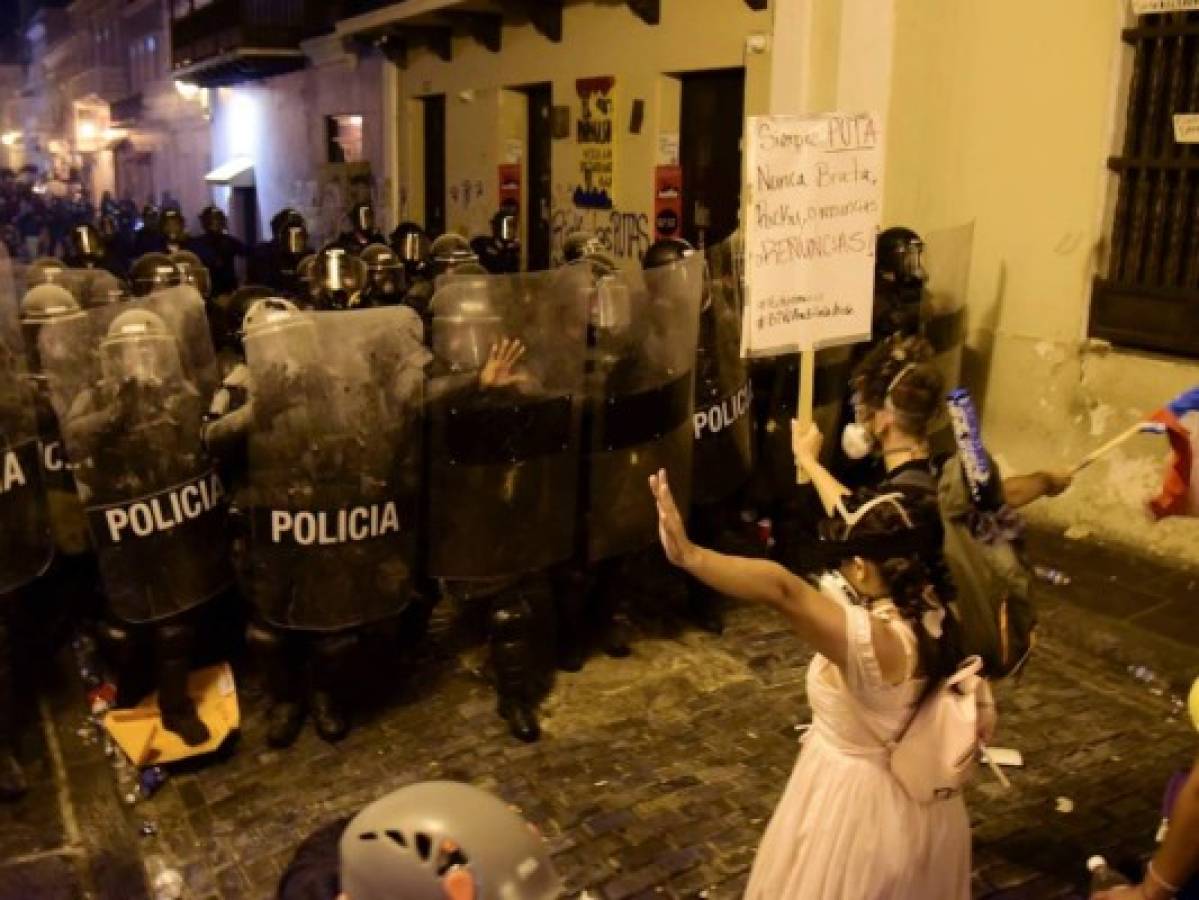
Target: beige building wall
[(1004, 114), (484, 117)]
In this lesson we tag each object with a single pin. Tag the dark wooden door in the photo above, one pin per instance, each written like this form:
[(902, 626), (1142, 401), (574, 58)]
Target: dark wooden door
[(434, 108), (713, 111), (540, 176)]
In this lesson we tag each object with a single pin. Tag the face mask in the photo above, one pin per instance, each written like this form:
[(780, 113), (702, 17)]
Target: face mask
[(857, 441)]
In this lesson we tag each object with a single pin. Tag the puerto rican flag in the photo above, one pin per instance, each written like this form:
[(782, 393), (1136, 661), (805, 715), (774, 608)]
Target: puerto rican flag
[(1180, 493)]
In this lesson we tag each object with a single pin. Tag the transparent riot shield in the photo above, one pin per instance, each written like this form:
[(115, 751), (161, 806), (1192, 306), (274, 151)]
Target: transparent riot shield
[(723, 420), (639, 400), (504, 441), (130, 391), (334, 465), (26, 546)]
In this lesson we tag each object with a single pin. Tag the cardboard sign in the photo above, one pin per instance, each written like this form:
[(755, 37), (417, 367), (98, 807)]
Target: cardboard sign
[(815, 188), (668, 202), (510, 184), (1148, 7)]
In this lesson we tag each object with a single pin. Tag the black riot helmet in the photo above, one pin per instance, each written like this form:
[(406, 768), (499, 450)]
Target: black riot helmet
[(898, 258), (86, 244), (151, 217), (384, 272), (44, 270), (362, 218), (411, 245), (213, 220), (240, 303), (665, 252), (451, 252), (281, 219), (505, 225), (174, 228), (193, 271), (151, 272), (340, 278)]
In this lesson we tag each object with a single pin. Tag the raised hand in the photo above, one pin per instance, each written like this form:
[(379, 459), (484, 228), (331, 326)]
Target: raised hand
[(675, 543), (501, 363)]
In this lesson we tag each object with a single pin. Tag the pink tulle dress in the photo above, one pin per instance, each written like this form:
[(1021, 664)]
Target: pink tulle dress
[(844, 828)]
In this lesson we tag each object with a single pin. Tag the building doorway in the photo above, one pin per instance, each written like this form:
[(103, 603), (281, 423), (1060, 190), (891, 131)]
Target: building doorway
[(434, 151), (712, 121), (539, 176)]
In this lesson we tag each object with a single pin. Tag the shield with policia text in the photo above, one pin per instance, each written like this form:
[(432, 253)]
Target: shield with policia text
[(334, 463), (130, 389), (26, 546)]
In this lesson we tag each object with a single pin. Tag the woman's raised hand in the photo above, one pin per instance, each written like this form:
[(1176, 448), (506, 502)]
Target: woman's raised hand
[(677, 546)]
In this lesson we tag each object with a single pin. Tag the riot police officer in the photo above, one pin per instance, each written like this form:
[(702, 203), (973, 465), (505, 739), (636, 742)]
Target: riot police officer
[(326, 416), (362, 232), (500, 251), (218, 250), (502, 464), (132, 427), (174, 231), (276, 261), (339, 279), (385, 277)]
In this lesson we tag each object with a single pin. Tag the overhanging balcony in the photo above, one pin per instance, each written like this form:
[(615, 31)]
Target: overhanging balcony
[(231, 41)]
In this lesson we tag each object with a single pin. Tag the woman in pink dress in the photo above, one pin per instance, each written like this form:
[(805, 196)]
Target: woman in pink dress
[(845, 829)]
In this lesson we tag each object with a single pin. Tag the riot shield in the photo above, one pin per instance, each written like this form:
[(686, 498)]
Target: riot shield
[(639, 400), (130, 394), (503, 461), (723, 423), (334, 465), (26, 547)]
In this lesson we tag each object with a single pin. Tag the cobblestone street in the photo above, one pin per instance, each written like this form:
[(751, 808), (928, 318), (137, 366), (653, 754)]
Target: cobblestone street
[(655, 775)]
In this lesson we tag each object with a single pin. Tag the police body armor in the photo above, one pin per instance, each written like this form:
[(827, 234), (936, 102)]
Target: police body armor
[(503, 458), (723, 423), (334, 455), (130, 398), (639, 399), (26, 545)]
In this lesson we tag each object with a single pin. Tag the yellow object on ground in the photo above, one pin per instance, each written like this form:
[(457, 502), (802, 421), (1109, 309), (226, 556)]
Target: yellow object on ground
[(139, 732)]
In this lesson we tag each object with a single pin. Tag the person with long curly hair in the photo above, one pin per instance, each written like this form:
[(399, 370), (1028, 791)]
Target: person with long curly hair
[(885, 638)]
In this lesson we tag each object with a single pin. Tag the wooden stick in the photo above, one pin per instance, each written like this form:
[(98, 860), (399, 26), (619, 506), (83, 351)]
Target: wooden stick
[(807, 393), (1110, 446)]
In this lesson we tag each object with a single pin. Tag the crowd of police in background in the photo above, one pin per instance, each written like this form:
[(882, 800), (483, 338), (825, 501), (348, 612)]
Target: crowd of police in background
[(515, 415)]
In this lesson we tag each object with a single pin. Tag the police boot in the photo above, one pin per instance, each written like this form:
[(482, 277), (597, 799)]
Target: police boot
[(173, 648), (284, 680), (570, 600), (329, 663), (512, 653)]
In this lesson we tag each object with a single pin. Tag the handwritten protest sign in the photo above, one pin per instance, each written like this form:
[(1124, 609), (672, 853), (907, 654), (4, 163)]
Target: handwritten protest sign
[(815, 188)]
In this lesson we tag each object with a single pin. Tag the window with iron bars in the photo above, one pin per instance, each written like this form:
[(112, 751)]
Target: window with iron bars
[(1148, 294)]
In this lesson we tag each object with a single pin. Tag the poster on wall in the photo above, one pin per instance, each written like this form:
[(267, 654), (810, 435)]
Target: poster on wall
[(668, 202), (595, 132), (510, 184), (815, 194)]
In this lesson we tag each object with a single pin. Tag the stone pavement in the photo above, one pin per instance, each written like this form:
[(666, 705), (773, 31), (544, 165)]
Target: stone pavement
[(655, 776)]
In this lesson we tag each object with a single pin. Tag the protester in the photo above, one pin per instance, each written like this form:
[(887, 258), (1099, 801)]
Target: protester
[(845, 828)]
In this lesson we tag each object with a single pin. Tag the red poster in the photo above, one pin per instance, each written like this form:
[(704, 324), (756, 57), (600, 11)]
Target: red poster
[(668, 202), (510, 184)]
